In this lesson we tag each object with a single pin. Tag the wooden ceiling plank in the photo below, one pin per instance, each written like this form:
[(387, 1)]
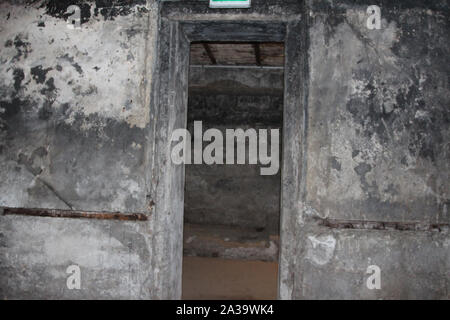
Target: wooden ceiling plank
[(209, 53), (257, 53)]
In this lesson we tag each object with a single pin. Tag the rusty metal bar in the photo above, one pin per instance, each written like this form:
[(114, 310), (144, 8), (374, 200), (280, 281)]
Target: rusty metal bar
[(381, 225), (55, 213)]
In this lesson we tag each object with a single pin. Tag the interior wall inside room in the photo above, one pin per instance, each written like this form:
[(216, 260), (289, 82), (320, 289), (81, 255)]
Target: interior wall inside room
[(234, 195)]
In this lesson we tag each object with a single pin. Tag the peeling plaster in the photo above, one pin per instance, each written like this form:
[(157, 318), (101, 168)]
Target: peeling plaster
[(320, 249)]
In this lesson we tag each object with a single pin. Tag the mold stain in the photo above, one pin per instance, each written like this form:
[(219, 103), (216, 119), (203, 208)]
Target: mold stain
[(39, 74)]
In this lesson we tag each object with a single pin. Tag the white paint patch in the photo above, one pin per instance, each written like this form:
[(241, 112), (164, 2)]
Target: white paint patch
[(320, 249), (311, 212), (421, 114)]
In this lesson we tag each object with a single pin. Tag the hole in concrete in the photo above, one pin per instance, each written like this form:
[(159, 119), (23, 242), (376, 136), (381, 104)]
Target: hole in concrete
[(231, 211)]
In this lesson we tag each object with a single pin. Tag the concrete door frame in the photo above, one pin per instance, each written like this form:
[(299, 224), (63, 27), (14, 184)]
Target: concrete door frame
[(180, 24)]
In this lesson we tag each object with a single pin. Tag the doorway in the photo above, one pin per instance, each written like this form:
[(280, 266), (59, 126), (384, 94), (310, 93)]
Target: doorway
[(183, 23), (232, 211)]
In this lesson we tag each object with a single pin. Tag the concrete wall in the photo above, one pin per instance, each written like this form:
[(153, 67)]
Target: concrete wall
[(74, 127), (378, 133), (74, 117), (234, 195)]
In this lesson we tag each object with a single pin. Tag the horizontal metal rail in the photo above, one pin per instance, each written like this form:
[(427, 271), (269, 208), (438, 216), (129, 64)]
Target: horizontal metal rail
[(56, 213)]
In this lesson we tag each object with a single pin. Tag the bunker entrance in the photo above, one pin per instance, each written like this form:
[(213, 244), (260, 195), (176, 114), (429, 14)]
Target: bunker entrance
[(232, 174)]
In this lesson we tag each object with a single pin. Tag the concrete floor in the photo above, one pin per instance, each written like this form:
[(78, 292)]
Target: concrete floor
[(216, 278)]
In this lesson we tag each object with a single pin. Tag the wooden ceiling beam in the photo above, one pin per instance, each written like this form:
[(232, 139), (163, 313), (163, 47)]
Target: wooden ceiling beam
[(209, 53), (257, 53)]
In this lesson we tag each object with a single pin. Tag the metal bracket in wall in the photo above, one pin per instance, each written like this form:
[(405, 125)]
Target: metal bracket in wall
[(381, 225), (55, 213)]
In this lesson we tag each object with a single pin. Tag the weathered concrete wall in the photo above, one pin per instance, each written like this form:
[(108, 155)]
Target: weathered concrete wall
[(74, 107), (74, 117), (113, 256), (378, 132), (379, 116), (234, 195), (74, 125)]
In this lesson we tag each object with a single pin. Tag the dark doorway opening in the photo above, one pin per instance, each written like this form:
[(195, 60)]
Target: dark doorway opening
[(231, 211)]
